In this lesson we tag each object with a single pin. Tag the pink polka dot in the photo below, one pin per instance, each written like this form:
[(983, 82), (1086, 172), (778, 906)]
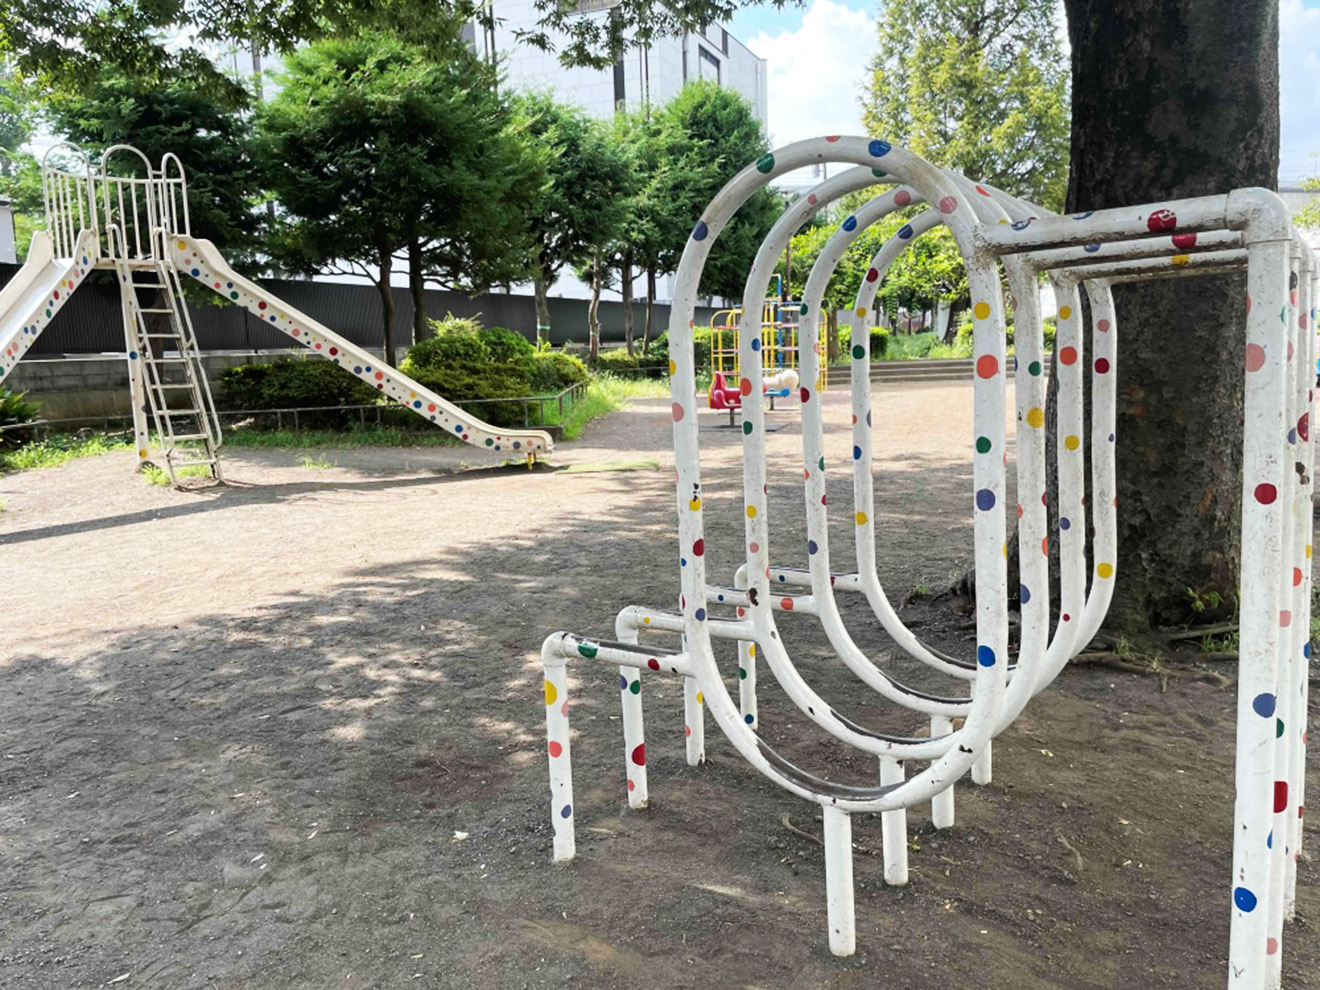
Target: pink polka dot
[(902, 198), (676, 411), (1103, 326), (948, 204), (1285, 619), (1255, 357)]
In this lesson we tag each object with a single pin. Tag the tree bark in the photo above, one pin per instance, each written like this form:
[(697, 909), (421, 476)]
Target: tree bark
[(542, 308), (626, 290), (417, 290), (1173, 100), (386, 260), (650, 310), (593, 308)]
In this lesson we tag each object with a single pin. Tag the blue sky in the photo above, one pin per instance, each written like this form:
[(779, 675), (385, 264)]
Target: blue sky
[(817, 60)]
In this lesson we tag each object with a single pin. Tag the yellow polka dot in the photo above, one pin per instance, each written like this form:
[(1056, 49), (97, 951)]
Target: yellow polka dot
[(1072, 442), (1105, 570), (673, 368), (861, 310), (646, 620), (701, 699), (751, 512), (142, 453), (981, 310), (1036, 417), (1065, 312), (182, 246), (1179, 260), (1308, 551), (550, 693), (694, 504), (1004, 550), (751, 650), (861, 518)]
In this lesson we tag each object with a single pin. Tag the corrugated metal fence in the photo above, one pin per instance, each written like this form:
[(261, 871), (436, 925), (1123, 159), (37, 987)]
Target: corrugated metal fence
[(90, 323)]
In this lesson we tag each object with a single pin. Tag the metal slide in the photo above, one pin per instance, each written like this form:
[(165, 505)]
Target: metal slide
[(30, 300), (200, 259)]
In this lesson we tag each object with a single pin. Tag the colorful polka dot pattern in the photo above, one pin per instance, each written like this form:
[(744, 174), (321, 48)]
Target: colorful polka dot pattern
[(387, 380), (24, 335)]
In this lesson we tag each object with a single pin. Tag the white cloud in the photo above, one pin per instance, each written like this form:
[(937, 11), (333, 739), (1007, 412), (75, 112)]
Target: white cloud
[(1299, 96), (815, 72)]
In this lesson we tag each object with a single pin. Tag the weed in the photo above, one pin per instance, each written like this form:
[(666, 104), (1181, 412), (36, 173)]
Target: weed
[(58, 449), (317, 463), (921, 589)]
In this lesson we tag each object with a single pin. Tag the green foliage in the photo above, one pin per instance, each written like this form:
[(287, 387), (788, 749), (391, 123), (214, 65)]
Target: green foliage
[(554, 371), (457, 340), (879, 342), (15, 410), (58, 449), (290, 384), (465, 382), (701, 344), (723, 136), (980, 86), (1309, 216), (374, 147)]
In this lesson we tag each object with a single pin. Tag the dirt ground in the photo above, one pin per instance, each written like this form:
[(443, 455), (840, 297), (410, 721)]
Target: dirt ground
[(289, 734)]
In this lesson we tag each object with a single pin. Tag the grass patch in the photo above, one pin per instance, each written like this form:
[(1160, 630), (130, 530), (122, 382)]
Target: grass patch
[(909, 346), (372, 436), (316, 463), (159, 476), (60, 448)]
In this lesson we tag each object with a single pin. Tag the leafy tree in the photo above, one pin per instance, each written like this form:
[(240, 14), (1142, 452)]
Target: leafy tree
[(374, 149), (583, 204), (1310, 214), (980, 86)]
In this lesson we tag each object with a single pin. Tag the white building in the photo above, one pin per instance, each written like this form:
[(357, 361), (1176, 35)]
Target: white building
[(654, 74)]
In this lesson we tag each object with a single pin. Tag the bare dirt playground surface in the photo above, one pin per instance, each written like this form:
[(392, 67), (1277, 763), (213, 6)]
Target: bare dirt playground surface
[(289, 734)]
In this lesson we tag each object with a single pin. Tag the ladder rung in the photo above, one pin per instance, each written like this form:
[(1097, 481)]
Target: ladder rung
[(190, 436), (150, 285), (171, 385), (147, 309)]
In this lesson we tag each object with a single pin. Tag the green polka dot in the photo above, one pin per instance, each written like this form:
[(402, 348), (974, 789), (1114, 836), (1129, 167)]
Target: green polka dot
[(747, 427), (742, 674), (822, 463), (233, 295), (489, 441), (1278, 728), (983, 445), (765, 163), (878, 173), (635, 687), (1034, 368), (859, 351), (588, 650)]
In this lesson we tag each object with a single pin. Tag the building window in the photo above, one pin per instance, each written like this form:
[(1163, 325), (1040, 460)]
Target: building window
[(724, 41), (708, 66)]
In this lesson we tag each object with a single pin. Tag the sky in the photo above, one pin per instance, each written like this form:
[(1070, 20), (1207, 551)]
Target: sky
[(817, 59)]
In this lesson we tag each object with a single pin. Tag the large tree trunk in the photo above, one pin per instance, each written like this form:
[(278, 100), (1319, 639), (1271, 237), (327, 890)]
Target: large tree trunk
[(417, 290), (541, 290), (626, 289), (386, 260), (1170, 100)]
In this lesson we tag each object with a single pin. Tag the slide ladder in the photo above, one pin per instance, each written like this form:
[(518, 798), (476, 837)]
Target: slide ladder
[(172, 376)]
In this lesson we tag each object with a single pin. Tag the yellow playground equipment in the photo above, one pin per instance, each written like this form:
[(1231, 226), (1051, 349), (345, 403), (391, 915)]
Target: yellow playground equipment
[(779, 341)]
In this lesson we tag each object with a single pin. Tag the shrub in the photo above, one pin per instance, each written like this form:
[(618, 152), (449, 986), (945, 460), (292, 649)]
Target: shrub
[(464, 382), (14, 411), (456, 342), (701, 336), (290, 383), (554, 371)]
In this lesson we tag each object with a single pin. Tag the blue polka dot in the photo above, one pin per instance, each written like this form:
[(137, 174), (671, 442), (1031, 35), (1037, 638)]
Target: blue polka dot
[(1024, 594), (811, 546), (879, 148), (1269, 840), (1244, 899), (782, 578), (701, 615), (1091, 248), (1306, 651), (1111, 438), (1065, 523), (1082, 216), (1263, 705), (700, 231), (985, 656), (749, 719), (623, 683), (850, 223), (196, 272), (567, 811), (458, 429), (905, 231), (1021, 224), (985, 500), (857, 453), (357, 369), (682, 562), (417, 404), (132, 355), (756, 344)]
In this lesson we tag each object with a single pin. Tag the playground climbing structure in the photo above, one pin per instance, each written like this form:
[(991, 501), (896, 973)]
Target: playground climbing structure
[(130, 217), (1085, 254)]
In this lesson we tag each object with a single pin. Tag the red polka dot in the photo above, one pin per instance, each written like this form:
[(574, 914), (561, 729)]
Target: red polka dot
[(334, 351), (430, 407), (1161, 220), (687, 730), (745, 386), (632, 786), (261, 305), (1045, 546), (1297, 577), (1280, 796), (1068, 355), (556, 749), (987, 366), (699, 548), (1266, 493), (1101, 366), (639, 754), (1184, 241), (872, 275), (804, 394), (1255, 357), (787, 603), (1304, 427), (1019, 508), (653, 663), (902, 198), (380, 375)]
